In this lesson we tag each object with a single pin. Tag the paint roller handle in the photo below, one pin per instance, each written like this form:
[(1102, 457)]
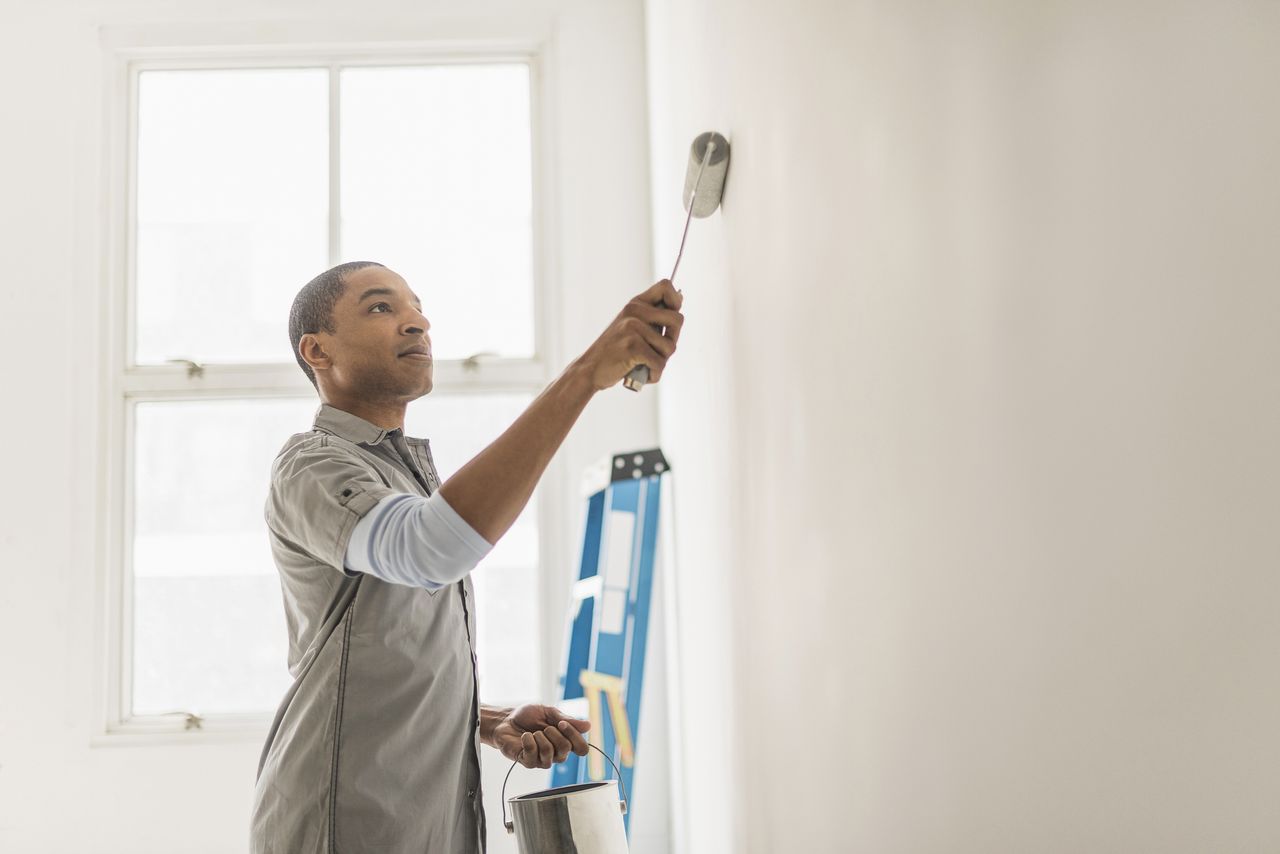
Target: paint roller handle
[(511, 825), (640, 373), (637, 378)]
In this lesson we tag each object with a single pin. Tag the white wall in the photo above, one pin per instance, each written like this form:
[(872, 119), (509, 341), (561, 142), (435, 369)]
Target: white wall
[(975, 423), (57, 794)]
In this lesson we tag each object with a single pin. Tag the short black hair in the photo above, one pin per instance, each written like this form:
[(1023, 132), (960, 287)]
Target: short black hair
[(312, 309)]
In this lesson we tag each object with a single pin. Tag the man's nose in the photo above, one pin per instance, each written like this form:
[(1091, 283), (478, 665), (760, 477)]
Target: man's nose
[(416, 325)]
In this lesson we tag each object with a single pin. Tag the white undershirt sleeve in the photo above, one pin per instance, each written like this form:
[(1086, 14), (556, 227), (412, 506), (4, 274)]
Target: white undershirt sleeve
[(415, 541)]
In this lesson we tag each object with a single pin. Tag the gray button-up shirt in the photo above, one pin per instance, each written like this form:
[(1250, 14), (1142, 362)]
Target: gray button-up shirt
[(375, 748)]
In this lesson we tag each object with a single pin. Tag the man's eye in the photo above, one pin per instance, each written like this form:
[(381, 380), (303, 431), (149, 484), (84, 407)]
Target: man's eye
[(378, 305)]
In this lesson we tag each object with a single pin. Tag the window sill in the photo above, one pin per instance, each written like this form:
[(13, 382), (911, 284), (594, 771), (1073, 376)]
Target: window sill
[(167, 730)]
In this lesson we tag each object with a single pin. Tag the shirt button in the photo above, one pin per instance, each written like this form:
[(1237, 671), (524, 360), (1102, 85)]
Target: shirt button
[(471, 793)]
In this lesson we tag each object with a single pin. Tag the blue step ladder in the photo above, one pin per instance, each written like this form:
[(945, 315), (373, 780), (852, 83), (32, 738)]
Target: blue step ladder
[(608, 624)]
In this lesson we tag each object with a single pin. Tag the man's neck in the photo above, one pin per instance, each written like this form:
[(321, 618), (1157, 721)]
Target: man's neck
[(385, 414)]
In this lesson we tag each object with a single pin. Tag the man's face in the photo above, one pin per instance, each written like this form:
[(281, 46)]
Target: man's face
[(380, 348)]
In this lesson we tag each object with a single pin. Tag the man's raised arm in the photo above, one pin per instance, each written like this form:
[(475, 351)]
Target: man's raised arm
[(491, 490)]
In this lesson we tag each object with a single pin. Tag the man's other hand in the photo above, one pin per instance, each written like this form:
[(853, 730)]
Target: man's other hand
[(636, 337), (539, 736)]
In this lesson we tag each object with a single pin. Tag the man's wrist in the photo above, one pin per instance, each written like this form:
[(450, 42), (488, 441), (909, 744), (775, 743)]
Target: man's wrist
[(579, 377), (490, 717)]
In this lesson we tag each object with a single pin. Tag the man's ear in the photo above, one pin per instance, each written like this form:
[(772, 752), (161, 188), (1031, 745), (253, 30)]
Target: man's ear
[(313, 354)]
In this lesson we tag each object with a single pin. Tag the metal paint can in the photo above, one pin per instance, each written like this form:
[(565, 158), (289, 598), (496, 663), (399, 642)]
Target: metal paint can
[(585, 818)]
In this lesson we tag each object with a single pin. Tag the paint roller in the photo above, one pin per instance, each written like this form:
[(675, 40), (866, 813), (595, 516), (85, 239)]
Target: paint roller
[(703, 187)]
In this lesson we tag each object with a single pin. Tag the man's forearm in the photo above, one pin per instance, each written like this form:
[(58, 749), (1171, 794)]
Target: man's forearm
[(490, 491)]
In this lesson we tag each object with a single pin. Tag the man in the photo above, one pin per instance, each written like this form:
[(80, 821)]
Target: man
[(375, 748)]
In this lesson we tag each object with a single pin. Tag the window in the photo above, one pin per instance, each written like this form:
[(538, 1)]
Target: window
[(247, 179)]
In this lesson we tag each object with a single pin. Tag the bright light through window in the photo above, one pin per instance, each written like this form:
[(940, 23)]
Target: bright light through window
[(209, 633), (233, 209), (506, 581), (436, 184), (233, 202)]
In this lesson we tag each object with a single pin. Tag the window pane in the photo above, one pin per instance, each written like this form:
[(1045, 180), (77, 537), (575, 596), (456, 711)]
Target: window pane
[(233, 209), (209, 631), (436, 184), (506, 582)]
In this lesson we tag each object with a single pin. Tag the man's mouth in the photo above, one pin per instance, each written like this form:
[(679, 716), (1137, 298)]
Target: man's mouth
[(421, 353)]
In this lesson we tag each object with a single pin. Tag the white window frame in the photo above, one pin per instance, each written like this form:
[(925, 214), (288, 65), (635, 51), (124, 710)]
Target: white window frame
[(126, 384)]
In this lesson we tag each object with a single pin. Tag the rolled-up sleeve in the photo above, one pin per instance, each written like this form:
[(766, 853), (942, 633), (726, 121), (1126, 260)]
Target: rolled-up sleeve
[(319, 491), (415, 541)]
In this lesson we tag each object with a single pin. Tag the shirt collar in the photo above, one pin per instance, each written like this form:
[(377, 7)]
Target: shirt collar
[(353, 428)]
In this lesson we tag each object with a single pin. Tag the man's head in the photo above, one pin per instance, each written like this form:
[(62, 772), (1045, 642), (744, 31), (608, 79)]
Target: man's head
[(354, 331)]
